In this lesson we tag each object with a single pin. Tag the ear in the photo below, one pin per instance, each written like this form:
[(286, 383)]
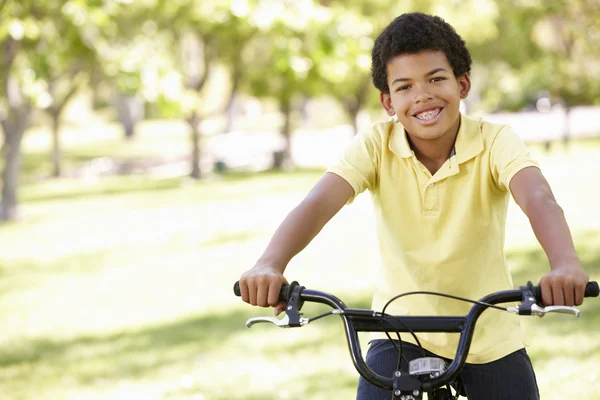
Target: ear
[(464, 82), (386, 102)]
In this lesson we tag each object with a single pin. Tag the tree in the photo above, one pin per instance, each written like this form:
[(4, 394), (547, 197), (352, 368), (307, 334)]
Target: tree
[(62, 60), (233, 40), (542, 48), (282, 58), (570, 64), (128, 50), (19, 36), (135, 44), (204, 33), (344, 60), (41, 43)]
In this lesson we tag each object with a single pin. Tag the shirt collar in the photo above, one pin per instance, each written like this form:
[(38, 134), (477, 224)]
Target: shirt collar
[(398, 142), (469, 141)]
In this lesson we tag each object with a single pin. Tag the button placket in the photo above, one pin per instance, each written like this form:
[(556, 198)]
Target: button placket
[(431, 197)]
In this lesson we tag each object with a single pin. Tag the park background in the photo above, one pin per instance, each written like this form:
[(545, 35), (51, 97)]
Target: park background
[(151, 147)]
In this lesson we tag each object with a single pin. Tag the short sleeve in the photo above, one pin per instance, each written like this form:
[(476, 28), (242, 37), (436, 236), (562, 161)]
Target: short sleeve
[(359, 162), (508, 155)]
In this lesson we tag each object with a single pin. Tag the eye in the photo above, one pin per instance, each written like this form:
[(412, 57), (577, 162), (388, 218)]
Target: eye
[(402, 88), (438, 79)]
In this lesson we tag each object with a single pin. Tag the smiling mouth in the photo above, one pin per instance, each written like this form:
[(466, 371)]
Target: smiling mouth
[(428, 115)]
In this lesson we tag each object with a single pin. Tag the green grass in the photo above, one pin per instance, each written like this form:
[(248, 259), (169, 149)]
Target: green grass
[(120, 287)]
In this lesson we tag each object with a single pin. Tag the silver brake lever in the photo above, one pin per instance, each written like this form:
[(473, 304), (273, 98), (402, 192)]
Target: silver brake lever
[(557, 309), (537, 310), (282, 323)]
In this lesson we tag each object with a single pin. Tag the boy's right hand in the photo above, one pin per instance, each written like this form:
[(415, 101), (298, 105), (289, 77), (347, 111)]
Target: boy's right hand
[(260, 286)]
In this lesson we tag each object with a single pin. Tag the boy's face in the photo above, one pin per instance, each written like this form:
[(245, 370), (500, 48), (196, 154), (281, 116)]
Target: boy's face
[(424, 94)]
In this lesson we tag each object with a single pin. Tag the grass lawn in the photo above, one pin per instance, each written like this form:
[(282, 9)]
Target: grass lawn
[(120, 288)]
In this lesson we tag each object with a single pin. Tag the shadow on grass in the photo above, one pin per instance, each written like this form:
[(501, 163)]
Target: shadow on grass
[(139, 352), (131, 354), (322, 385), (101, 360)]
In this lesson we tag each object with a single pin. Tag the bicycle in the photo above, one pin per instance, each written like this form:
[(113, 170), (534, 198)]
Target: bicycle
[(427, 374)]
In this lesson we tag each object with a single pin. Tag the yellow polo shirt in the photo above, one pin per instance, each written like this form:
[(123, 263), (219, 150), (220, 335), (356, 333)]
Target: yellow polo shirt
[(442, 233)]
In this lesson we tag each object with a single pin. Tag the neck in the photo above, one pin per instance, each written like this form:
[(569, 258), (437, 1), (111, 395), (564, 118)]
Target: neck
[(434, 153)]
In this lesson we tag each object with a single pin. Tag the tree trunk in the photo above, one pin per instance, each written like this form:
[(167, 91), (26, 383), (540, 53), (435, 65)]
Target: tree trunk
[(130, 110), (352, 113), (354, 104), (55, 112), (236, 77), (56, 151), (195, 139), (566, 128), (230, 113), (13, 129), (98, 101), (283, 159), (304, 111), (14, 119)]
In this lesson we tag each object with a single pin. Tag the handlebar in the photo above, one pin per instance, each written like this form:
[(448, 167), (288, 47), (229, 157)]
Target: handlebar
[(591, 290), (361, 320)]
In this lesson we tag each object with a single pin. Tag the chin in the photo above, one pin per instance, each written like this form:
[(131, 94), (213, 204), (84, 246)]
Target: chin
[(428, 134)]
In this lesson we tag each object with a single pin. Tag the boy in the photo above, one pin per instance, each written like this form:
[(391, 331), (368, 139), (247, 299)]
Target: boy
[(440, 182)]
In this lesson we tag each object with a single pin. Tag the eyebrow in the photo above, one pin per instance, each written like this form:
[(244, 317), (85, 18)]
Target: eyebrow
[(432, 72)]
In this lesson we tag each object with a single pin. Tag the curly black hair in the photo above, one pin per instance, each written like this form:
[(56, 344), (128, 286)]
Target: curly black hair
[(414, 32)]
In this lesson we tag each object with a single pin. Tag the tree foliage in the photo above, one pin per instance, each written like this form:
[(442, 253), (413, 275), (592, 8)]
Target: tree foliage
[(167, 52)]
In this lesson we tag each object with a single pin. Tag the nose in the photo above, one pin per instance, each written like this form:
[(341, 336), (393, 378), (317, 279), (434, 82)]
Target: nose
[(422, 95)]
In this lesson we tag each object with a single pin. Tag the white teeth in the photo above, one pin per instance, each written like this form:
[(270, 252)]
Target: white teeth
[(428, 114)]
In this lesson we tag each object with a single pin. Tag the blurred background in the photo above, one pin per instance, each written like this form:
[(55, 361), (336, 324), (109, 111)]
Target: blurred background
[(150, 148)]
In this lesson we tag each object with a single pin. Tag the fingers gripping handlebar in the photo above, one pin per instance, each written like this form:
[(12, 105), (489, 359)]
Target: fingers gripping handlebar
[(591, 290), (284, 293)]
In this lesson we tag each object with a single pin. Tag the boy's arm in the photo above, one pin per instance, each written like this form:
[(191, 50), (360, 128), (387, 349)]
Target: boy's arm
[(565, 284), (260, 285)]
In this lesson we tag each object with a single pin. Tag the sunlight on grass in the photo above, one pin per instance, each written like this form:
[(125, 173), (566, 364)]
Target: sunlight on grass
[(121, 287)]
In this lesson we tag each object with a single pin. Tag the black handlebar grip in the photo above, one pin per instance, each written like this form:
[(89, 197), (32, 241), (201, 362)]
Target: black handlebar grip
[(591, 290), (284, 293)]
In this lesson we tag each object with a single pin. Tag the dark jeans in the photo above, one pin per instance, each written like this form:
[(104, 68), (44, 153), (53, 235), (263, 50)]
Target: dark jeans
[(511, 377)]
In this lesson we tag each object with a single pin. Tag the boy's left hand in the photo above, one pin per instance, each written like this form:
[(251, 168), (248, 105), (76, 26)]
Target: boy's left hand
[(564, 285)]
